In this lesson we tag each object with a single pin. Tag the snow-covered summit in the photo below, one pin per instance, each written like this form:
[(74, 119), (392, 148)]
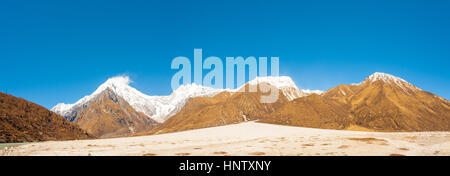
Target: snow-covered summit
[(390, 79), (286, 85), (276, 81), (194, 89), (384, 77), (158, 108), (319, 92), (118, 84)]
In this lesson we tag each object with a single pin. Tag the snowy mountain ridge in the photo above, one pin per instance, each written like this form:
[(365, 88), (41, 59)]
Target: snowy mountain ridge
[(390, 79), (156, 107), (286, 85), (160, 108)]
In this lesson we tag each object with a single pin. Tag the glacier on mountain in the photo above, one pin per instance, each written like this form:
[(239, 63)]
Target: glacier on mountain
[(286, 85), (160, 108), (157, 107)]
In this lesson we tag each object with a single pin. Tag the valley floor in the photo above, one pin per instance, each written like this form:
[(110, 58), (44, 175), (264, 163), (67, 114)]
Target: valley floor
[(253, 139)]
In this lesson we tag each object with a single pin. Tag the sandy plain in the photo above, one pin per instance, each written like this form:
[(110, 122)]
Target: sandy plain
[(249, 139)]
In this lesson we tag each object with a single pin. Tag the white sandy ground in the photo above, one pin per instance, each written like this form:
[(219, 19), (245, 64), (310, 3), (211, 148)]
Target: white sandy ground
[(250, 138)]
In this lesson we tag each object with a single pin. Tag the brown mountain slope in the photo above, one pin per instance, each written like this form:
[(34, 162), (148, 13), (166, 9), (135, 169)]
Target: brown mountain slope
[(109, 115), (382, 102), (342, 93), (23, 121), (312, 111), (385, 105), (222, 109)]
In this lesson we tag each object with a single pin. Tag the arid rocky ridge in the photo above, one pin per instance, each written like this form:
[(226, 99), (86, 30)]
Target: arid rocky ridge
[(24, 121), (222, 109), (381, 102)]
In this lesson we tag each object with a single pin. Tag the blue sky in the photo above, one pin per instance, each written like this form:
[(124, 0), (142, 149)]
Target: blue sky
[(60, 51)]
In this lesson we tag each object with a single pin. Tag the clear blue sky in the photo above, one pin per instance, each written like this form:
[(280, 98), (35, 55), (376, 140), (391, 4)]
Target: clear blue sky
[(59, 51)]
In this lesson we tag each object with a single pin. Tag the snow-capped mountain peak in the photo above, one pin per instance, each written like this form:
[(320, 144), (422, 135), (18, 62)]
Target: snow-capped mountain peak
[(159, 108), (319, 92), (276, 81), (194, 89), (390, 79), (286, 85), (118, 84), (384, 77), (61, 108)]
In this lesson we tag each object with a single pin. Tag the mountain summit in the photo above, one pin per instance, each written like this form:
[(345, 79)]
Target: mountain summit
[(232, 106), (116, 109), (381, 102), (285, 85), (160, 108), (116, 106), (156, 107), (119, 85), (390, 79)]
